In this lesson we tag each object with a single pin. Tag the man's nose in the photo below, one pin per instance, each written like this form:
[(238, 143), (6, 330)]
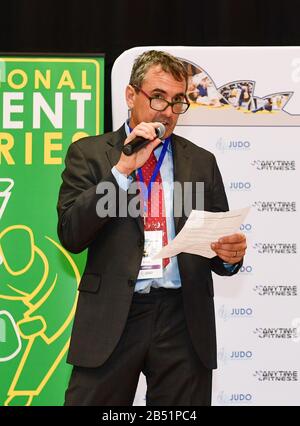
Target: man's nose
[(168, 112)]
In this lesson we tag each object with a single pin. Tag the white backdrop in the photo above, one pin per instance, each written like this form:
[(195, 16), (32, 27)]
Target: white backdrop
[(258, 310)]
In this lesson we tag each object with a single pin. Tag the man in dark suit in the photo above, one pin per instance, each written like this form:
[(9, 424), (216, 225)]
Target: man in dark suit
[(134, 316)]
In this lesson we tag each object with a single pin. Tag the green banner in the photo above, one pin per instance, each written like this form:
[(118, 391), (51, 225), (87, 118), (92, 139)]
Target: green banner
[(45, 104)]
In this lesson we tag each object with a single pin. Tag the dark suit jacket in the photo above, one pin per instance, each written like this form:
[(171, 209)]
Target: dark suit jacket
[(115, 248)]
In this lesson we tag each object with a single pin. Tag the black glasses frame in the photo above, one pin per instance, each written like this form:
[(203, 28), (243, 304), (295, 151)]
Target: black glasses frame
[(171, 104)]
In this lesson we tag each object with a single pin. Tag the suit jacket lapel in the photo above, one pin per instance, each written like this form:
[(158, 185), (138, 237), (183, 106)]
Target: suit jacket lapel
[(113, 155), (115, 144)]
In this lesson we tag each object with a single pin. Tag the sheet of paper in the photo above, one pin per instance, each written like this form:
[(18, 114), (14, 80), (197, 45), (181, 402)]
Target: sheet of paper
[(200, 230)]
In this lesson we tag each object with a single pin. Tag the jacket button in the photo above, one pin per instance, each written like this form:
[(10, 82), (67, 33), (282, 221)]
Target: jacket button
[(131, 283)]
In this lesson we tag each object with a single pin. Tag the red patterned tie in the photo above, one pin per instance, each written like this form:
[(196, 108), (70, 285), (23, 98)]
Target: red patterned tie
[(154, 222)]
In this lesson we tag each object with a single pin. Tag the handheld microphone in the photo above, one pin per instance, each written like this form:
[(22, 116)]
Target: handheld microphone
[(138, 143)]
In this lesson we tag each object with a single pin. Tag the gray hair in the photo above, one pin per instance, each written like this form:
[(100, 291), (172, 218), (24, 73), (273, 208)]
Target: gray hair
[(168, 63)]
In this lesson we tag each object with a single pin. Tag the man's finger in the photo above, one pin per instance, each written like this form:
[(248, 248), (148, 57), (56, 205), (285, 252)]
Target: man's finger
[(153, 144), (234, 238), (229, 247), (227, 253)]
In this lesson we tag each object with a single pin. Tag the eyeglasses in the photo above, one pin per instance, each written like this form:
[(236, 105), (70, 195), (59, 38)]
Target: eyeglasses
[(161, 104)]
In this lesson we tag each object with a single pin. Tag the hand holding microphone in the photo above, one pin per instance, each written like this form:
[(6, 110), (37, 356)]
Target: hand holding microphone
[(140, 142), (143, 139)]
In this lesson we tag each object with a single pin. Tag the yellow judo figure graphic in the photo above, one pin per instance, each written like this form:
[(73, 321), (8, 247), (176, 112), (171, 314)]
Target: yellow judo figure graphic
[(48, 301)]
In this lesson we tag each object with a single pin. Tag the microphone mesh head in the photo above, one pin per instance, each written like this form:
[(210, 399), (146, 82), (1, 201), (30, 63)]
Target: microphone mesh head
[(160, 131)]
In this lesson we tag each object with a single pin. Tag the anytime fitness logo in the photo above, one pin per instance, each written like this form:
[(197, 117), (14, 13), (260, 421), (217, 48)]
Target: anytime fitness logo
[(276, 248), (277, 333), (276, 375), (276, 290), (274, 165), (275, 206)]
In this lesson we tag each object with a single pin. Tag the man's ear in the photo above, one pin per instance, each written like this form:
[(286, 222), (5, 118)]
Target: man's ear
[(130, 96)]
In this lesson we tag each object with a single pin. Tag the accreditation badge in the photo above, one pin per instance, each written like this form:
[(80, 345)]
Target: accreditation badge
[(153, 244)]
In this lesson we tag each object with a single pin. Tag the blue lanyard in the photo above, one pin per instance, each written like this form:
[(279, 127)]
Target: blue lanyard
[(147, 192), (156, 170)]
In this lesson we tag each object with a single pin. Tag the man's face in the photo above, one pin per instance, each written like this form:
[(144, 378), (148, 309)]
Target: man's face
[(157, 83)]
